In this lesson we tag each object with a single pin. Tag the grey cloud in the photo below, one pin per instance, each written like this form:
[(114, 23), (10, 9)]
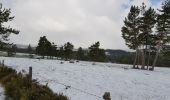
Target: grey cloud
[(81, 22)]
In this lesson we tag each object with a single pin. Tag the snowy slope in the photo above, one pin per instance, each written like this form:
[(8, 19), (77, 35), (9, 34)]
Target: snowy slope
[(89, 82)]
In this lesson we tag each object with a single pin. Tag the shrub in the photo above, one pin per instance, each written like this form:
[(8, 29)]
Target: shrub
[(19, 87)]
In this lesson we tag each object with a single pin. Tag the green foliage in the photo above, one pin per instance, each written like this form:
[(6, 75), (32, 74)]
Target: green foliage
[(44, 47), (137, 29), (147, 22), (163, 23), (68, 50), (122, 58), (11, 50), (5, 17), (80, 55), (61, 52), (53, 51), (41, 49), (96, 54), (130, 30), (29, 49), (19, 87), (164, 58)]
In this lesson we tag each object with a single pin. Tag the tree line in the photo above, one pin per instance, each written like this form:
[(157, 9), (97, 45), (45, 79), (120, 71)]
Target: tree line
[(147, 32), (67, 51)]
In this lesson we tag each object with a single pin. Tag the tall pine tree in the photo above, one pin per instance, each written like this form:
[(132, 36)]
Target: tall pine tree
[(44, 47), (163, 28), (147, 23), (96, 54), (68, 50), (53, 51), (80, 54), (60, 52), (130, 30), (5, 17)]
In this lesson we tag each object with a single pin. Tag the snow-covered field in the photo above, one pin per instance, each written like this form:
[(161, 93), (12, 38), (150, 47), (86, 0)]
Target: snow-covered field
[(85, 81), (2, 97)]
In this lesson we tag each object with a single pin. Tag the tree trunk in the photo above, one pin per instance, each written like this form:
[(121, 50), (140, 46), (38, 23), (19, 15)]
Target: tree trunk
[(146, 50), (156, 56), (148, 59), (136, 55), (138, 59), (143, 59)]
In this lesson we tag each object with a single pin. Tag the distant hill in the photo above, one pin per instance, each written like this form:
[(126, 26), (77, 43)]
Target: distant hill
[(22, 46), (112, 52)]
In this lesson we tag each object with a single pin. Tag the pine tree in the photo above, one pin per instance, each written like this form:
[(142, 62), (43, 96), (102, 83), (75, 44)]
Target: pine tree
[(130, 30), (30, 51), (93, 51), (53, 52), (40, 49), (80, 54), (12, 50), (101, 55), (61, 52), (137, 31), (44, 47), (147, 22), (163, 28), (68, 50), (96, 54), (48, 47), (5, 17)]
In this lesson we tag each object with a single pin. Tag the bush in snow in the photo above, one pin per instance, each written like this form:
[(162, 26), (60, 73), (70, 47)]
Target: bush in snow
[(19, 87)]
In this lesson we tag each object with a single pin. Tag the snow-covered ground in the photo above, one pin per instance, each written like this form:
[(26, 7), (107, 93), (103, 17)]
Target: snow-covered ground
[(85, 81), (2, 97)]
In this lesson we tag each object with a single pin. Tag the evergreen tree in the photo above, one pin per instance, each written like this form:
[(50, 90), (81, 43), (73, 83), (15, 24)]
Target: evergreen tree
[(101, 55), (12, 50), (61, 52), (163, 28), (44, 47), (130, 30), (96, 54), (48, 47), (147, 23), (137, 31), (80, 54), (40, 49), (29, 49), (166, 56), (53, 52), (5, 17), (68, 50), (93, 51)]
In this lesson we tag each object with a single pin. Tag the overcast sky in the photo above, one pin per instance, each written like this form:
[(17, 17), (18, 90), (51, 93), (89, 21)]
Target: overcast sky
[(81, 22)]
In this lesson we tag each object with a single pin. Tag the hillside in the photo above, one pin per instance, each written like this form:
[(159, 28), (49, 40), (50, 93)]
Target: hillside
[(112, 52)]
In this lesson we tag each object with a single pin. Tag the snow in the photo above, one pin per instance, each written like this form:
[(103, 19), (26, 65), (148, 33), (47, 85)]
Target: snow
[(88, 81), (2, 97)]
